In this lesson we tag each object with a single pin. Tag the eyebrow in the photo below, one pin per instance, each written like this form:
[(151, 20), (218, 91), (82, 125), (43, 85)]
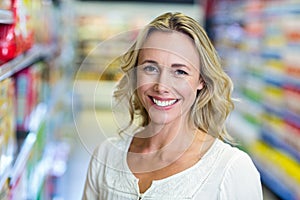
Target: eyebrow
[(150, 61), (173, 65), (179, 65)]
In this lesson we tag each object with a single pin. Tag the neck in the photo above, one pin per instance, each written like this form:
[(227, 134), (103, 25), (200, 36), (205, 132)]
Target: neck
[(164, 136)]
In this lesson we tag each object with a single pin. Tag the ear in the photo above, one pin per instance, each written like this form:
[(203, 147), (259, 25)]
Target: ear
[(201, 84)]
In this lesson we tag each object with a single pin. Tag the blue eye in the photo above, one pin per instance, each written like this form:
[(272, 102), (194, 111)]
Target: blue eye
[(150, 68), (180, 72)]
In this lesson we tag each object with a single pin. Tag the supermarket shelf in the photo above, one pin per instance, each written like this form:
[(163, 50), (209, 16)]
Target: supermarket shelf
[(6, 17), (32, 160), (276, 185), (240, 128), (53, 163), (22, 158), (37, 117), (247, 133), (26, 59), (36, 120), (269, 81), (292, 80), (41, 171), (273, 140), (278, 9), (4, 177), (292, 117)]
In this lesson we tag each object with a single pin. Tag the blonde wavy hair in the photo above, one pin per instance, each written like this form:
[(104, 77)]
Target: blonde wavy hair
[(213, 103)]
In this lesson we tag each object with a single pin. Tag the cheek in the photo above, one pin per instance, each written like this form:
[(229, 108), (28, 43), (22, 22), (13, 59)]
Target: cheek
[(143, 84), (142, 88), (187, 88), (143, 79)]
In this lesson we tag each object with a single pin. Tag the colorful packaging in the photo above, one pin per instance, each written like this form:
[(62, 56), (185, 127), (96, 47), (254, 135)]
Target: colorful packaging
[(7, 125), (16, 37), (8, 48), (28, 86)]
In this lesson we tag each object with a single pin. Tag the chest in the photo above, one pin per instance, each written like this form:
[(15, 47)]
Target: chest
[(158, 170), (189, 184)]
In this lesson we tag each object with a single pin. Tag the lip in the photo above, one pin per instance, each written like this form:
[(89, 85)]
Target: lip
[(166, 103)]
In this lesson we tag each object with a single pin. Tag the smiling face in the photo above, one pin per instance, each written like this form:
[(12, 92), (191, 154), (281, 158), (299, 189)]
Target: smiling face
[(168, 76)]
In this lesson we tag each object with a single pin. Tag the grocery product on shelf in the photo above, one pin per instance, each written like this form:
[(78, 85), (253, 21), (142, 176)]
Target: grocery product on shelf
[(29, 170), (31, 70), (17, 36), (259, 43), (7, 131), (28, 83)]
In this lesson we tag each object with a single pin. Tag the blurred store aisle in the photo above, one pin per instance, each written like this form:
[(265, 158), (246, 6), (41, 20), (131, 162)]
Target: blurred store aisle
[(91, 126)]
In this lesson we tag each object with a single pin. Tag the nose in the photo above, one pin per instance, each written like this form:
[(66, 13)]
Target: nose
[(163, 83)]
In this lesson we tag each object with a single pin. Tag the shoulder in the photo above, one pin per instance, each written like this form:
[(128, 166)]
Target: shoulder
[(234, 158), (230, 154), (111, 150), (241, 179), (105, 165), (111, 145)]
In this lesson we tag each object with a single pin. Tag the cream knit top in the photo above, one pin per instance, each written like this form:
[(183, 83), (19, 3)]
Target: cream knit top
[(224, 172)]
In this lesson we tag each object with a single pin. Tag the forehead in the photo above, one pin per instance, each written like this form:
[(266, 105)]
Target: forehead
[(173, 43)]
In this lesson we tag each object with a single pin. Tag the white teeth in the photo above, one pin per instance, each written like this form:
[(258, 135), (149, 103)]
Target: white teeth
[(163, 103)]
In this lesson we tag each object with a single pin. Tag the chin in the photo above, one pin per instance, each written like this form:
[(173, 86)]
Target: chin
[(163, 118)]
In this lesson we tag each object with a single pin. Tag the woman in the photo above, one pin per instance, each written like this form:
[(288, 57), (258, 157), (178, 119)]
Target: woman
[(179, 95)]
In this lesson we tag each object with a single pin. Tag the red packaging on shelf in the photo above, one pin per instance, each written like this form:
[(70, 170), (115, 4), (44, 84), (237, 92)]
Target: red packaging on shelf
[(23, 28), (8, 43), (16, 37)]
